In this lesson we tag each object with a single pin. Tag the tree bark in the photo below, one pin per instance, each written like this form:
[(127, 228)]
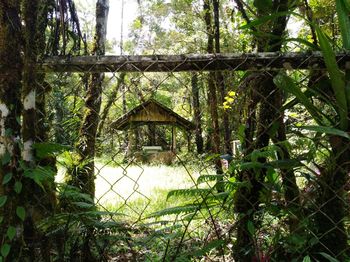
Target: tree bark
[(212, 96), (197, 113), (111, 99), (331, 202), (84, 179), (10, 129), (220, 81), (266, 101), (39, 203)]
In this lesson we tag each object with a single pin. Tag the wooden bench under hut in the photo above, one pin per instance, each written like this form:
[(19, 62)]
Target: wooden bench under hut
[(152, 113)]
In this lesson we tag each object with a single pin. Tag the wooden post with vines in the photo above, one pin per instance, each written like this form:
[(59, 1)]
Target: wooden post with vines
[(11, 212)]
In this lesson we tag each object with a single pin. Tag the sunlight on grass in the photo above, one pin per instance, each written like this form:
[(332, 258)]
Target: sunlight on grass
[(132, 182), (139, 190)]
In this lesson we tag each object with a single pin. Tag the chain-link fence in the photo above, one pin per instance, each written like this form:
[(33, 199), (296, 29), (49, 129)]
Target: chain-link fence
[(197, 158)]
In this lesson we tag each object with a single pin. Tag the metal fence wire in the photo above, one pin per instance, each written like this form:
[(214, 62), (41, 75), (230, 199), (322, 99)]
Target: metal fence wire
[(197, 158)]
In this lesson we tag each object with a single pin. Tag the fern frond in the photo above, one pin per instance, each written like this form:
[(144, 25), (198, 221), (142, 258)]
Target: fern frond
[(193, 192), (209, 178), (178, 210)]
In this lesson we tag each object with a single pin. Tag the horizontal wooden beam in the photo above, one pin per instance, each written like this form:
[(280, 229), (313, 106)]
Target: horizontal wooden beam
[(191, 62)]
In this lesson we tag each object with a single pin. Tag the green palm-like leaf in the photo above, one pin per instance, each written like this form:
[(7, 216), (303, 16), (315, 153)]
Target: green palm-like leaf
[(326, 130), (337, 79), (344, 21), (286, 83)]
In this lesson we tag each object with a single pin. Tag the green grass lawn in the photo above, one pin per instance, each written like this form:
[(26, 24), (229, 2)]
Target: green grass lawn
[(138, 190)]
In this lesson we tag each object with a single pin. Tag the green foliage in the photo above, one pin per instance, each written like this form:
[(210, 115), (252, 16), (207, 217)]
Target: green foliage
[(40, 175), (5, 250), (337, 78), (189, 193), (286, 83), (328, 257), (215, 244), (3, 200), (326, 130), (11, 232), (7, 178), (343, 10), (20, 212), (47, 149)]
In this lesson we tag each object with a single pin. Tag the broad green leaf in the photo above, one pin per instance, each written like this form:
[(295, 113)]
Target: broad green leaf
[(21, 213), (326, 130), (5, 250), (286, 83), (18, 187), (307, 259), (344, 22), (7, 178), (40, 174), (251, 228), (3, 200), (44, 150), (330, 258), (11, 232), (6, 158), (337, 80), (1, 219)]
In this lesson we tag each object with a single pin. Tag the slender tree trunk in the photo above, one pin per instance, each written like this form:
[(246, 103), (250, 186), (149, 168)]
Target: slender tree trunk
[(111, 99), (212, 95), (10, 129), (331, 202), (197, 113), (85, 178), (266, 101), (39, 203), (220, 81)]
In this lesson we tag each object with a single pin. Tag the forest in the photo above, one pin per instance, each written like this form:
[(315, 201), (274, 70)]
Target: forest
[(206, 130)]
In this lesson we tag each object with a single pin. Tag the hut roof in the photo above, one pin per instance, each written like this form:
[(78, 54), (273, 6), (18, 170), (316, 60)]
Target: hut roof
[(151, 111)]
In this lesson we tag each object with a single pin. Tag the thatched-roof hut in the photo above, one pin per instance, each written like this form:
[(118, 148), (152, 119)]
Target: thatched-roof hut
[(152, 112)]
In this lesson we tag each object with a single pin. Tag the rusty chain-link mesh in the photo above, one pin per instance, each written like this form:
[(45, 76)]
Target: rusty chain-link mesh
[(274, 199)]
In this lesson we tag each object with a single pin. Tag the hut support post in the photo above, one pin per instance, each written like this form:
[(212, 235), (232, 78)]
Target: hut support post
[(173, 139), (130, 147)]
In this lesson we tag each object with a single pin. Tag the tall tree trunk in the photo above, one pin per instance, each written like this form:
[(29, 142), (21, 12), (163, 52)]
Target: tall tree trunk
[(220, 81), (331, 201), (212, 95), (266, 101), (10, 129), (39, 203), (85, 177), (197, 113)]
